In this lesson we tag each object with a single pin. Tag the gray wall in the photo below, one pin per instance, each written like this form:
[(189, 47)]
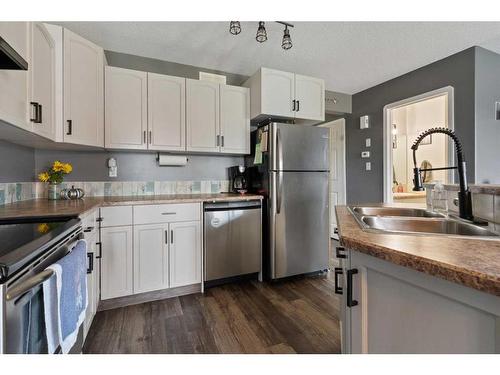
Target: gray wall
[(123, 60), (17, 163), (487, 79), (134, 166), (456, 70)]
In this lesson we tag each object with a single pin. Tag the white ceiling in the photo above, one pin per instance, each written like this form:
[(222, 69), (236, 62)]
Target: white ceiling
[(350, 56)]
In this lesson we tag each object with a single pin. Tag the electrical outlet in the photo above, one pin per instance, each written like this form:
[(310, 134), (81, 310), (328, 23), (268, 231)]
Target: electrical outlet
[(368, 142), (365, 154)]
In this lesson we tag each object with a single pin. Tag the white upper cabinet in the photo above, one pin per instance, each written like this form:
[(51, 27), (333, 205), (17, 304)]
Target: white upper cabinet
[(286, 95), (309, 98), (14, 103), (278, 93), (235, 119), (202, 116), (83, 91), (166, 112), (126, 108), (42, 81)]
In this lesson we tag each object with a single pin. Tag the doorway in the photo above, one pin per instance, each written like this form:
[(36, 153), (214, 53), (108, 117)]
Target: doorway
[(403, 122), (337, 169)]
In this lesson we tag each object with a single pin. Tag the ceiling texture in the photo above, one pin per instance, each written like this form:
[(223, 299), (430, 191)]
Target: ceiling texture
[(349, 56)]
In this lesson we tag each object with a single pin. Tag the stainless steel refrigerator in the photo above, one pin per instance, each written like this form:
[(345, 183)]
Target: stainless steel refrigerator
[(293, 173)]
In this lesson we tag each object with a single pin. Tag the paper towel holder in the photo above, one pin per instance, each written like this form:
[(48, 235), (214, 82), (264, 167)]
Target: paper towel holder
[(172, 160)]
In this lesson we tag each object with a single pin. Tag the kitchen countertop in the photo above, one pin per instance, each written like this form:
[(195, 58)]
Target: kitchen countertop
[(44, 207), (474, 188), (474, 263)]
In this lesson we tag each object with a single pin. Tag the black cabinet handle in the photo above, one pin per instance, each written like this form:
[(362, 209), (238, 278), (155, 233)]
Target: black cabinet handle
[(35, 106), (70, 127), (218, 140), (100, 250), (166, 237), (171, 236), (40, 114), (350, 302), (144, 136), (150, 137), (336, 230), (222, 144), (339, 252), (337, 273), (90, 256), (298, 105), (293, 101), (88, 229)]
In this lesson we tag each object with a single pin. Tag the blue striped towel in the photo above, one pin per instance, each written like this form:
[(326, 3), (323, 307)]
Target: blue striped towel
[(66, 306)]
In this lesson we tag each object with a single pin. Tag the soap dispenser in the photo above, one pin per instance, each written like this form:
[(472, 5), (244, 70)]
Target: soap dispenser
[(439, 198)]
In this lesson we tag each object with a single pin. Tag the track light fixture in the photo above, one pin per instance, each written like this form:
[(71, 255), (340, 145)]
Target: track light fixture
[(261, 36), (235, 27), (261, 33), (286, 43)]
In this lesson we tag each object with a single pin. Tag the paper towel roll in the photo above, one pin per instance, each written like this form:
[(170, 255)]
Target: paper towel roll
[(172, 160)]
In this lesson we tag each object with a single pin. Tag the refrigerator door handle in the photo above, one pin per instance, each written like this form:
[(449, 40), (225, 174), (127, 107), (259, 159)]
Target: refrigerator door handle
[(279, 150), (279, 192)]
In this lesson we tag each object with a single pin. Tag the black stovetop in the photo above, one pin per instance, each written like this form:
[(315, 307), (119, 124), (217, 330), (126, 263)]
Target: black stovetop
[(22, 240)]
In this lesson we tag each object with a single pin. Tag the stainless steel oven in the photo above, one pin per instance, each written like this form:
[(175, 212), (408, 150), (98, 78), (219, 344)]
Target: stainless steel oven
[(23, 271)]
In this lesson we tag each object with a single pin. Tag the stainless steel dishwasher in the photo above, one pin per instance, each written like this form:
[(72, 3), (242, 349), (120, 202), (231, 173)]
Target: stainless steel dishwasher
[(233, 239)]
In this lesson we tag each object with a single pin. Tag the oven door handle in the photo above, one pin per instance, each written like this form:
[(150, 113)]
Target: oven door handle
[(29, 284)]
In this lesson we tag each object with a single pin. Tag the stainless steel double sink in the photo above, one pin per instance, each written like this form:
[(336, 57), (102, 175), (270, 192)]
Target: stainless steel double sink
[(416, 221)]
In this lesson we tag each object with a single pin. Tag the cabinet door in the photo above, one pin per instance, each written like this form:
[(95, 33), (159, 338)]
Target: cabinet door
[(83, 91), (185, 253), (278, 92), (310, 97), (91, 280), (126, 108), (14, 101), (235, 119), (166, 112), (202, 116), (42, 81), (150, 257), (116, 262)]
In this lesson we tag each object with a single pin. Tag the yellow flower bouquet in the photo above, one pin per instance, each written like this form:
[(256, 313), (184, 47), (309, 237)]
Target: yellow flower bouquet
[(55, 176), (56, 173)]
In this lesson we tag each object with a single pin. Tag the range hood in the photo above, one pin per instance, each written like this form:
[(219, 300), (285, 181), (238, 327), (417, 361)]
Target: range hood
[(9, 58)]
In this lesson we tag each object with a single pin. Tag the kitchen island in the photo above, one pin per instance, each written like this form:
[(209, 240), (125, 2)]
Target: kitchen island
[(417, 293)]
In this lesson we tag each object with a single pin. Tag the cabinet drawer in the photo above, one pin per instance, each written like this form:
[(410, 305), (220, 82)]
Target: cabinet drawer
[(166, 213), (116, 216)]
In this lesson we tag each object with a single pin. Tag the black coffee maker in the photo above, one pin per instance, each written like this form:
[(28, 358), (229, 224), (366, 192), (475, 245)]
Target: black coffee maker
[(238, 179)]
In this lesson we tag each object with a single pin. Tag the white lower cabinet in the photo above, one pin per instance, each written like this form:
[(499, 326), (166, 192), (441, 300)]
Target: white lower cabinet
[(116, 262), (185, 253), (161, 250), (388, 308), (150, 257)]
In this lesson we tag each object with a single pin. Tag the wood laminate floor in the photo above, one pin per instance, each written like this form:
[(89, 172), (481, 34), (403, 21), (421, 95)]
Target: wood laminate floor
[(294, 316)]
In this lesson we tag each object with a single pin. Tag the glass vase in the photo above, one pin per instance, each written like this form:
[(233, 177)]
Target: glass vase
[(53, 191)]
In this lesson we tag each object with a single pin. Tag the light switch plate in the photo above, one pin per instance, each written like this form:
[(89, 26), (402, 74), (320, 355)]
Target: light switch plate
[(368, 166), (368, 142), (364, 122)]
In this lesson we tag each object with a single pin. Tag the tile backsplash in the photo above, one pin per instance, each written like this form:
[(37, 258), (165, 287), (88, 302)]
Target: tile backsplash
[(19, 191)]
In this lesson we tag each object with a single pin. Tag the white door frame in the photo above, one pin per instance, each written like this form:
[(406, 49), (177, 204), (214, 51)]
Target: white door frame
[(328, 125), (388, 133)]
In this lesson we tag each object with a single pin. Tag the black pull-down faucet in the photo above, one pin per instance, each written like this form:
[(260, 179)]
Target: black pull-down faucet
[(464, 194)]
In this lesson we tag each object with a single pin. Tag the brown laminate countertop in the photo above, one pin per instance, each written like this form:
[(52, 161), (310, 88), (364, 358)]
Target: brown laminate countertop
[(474, 263), (44, 207)]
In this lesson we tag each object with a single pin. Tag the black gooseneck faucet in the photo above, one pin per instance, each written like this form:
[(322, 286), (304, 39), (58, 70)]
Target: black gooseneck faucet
[(464, 194)]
